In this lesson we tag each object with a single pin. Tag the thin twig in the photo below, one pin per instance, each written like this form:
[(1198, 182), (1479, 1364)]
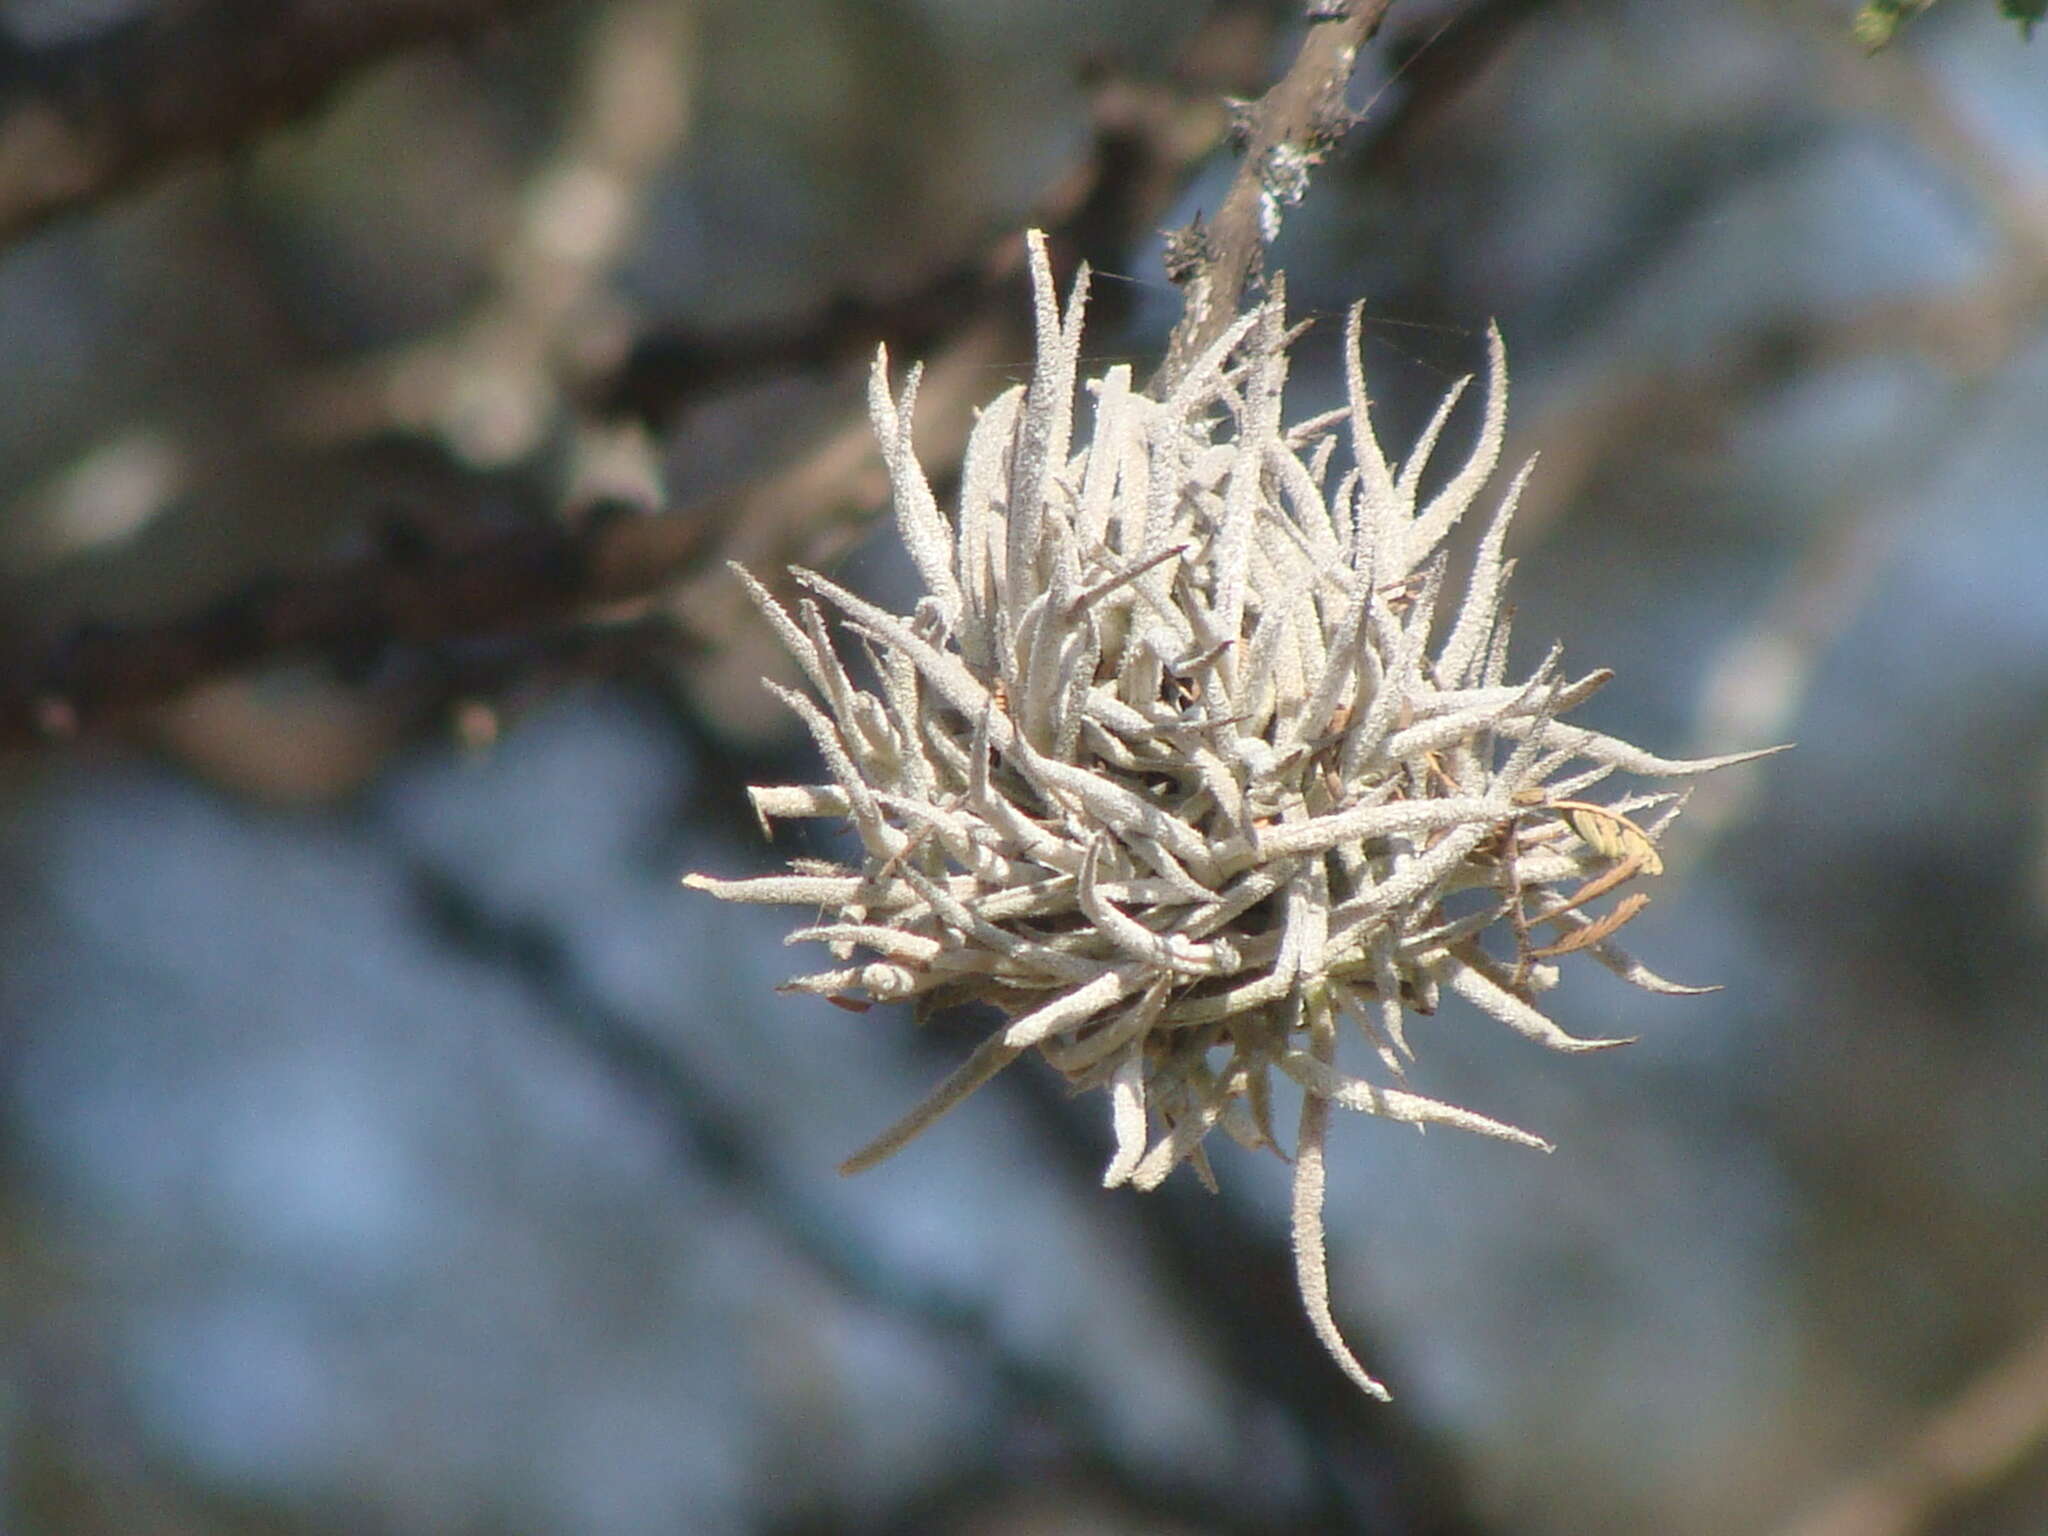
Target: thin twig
[(1287, 133)]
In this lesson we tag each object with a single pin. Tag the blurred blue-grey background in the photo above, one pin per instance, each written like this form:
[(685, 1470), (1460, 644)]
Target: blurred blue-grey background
[(389, 1144)]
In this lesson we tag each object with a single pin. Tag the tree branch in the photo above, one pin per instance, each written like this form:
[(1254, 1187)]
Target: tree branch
[(81, 120), (1287, 133), (506, 582), (1142, 148), (501, 581)]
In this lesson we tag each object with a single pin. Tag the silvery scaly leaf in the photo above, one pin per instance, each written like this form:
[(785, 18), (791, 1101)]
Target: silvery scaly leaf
[(1171, 764)]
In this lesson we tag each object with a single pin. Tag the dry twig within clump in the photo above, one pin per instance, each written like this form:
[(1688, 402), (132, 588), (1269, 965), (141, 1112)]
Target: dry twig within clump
[(1171, 767)]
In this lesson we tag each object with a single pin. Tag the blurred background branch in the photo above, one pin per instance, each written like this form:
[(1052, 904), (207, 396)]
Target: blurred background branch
[(1987, 1434), (88, 117), (533, 356), (549, 349)]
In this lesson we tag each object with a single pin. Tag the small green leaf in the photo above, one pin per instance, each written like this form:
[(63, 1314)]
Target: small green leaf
[(1879, 20)]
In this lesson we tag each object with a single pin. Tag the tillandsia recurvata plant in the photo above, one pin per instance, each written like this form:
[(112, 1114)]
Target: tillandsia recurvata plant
[(1185, 758)]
